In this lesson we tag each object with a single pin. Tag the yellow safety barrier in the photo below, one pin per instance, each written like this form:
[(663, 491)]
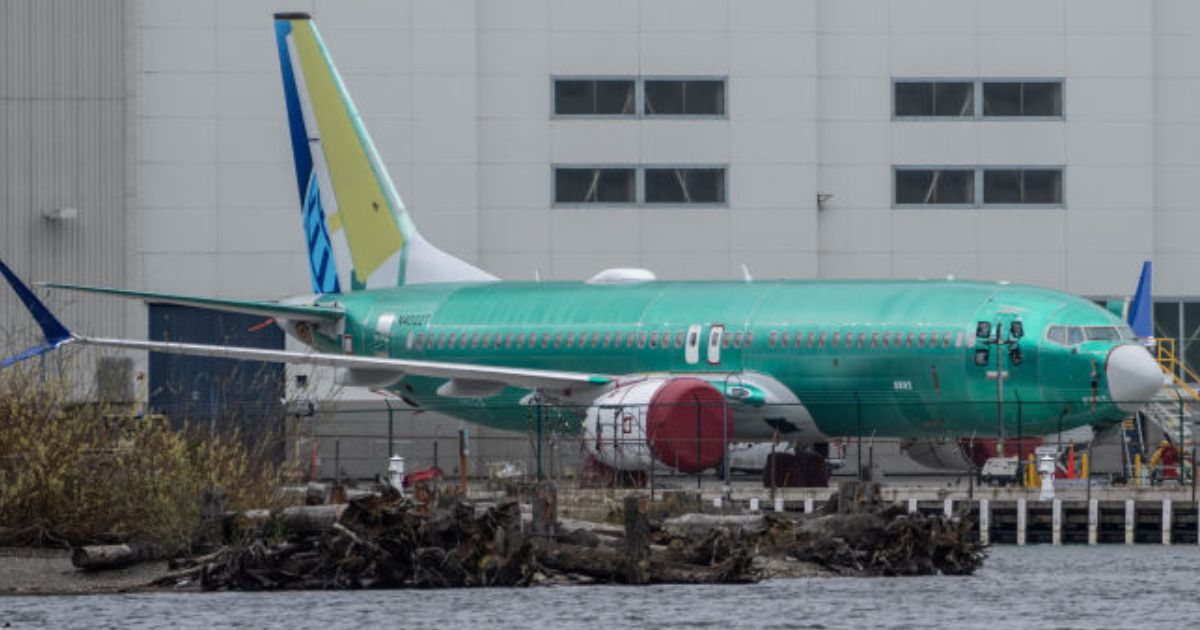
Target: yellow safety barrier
[(1137, 469), (1083, 474)]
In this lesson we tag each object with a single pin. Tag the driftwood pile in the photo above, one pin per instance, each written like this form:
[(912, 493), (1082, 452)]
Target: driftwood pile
[(385, 541)]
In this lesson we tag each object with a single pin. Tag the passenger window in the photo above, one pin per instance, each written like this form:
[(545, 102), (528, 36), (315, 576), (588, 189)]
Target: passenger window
[(654, 339), (946, 340), (737, 339), (836, 341), (678, 340), (821, 341), (617, 341), (921, 340), (545, 340), (862, 340), (772, 339), (874, 340), (641, 340), (958, 340), (811, 337), (508, 339), (570, 340), (475, 340), (629, 339), (908, 342), (726, 338), (607, 339), (520, 340)]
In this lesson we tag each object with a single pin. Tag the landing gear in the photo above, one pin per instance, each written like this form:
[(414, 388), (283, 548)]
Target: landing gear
[(597, 474)]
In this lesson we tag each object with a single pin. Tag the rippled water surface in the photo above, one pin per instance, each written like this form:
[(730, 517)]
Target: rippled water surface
[(1030, 587)]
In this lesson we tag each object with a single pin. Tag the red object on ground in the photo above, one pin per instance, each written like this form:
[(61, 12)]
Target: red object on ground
[(688, 425), (432, 473), (1170, 462), (788, 470)]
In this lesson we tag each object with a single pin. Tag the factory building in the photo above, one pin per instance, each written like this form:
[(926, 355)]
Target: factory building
[(1052, 142)]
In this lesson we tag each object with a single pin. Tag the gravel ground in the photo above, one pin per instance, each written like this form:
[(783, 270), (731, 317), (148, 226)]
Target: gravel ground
[(27, 571)]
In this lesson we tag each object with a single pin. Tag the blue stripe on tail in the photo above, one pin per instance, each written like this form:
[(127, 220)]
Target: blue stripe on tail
[(320, 252), (53, 330)]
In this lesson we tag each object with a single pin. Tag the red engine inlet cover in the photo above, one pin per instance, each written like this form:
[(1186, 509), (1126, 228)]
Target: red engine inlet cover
[(688, 425)]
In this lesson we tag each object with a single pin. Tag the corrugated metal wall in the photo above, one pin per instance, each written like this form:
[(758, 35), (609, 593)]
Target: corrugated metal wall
[(63, 99)]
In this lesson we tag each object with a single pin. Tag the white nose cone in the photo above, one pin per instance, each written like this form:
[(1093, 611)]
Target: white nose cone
[(1134, 377)]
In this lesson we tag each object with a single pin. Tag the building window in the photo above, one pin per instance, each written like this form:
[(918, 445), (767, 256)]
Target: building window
[(594, 97), (949, 99), (1023, 98), (595, 185), (1023, 186), (685, 185), (930, 187), (684, 97)]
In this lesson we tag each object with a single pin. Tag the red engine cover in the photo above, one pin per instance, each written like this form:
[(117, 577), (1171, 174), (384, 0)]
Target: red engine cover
[(688, 425)]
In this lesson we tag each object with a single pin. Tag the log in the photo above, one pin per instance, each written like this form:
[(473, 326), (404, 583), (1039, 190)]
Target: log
[(637, 541), (107, 557), (311, 519)]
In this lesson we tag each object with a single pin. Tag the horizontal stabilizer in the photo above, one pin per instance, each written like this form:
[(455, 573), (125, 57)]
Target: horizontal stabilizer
[(249, 307)]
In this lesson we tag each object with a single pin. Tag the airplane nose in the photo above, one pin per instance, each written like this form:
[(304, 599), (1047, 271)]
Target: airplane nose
[(1134, 377)]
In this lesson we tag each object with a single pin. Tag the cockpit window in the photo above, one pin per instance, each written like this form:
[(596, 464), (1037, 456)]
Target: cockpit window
[(1101, 333), (1074, 335)]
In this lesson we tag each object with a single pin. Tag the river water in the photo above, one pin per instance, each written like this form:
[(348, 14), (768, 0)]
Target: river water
[(1019, 587)]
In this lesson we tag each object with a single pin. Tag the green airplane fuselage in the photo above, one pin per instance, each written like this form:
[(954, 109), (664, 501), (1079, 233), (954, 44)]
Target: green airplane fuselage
[(884, 358)]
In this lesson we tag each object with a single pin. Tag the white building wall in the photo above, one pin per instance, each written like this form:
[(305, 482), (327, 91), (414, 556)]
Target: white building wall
[(458, 97)]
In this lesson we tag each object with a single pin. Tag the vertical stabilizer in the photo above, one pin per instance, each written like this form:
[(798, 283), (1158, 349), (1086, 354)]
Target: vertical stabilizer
[(1140, 308), (357, 232)]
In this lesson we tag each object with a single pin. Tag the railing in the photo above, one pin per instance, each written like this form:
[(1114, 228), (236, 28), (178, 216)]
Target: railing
[(1168, 359)]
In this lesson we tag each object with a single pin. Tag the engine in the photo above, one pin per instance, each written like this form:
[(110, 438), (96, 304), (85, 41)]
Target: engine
[(683, 423)]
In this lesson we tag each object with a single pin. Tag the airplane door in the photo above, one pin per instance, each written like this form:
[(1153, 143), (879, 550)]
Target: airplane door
[(692, 351), (714, 343)]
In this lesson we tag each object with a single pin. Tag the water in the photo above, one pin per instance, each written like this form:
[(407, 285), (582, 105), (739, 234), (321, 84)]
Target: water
[(1042, 587)]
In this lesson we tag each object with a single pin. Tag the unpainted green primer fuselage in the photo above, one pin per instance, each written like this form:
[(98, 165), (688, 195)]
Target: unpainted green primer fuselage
[(874, 385)]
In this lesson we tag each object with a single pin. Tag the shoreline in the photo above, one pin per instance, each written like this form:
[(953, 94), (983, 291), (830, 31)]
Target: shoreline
[(37, 571)]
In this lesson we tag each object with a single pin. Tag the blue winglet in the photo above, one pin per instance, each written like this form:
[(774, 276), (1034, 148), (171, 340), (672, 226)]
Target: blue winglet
[(56, 334), (1140, 308)]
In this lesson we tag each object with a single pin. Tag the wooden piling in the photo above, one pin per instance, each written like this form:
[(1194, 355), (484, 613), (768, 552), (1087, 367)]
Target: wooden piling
[(1166, 522), (985, 517), (1021, 519), (1130, 522), (637, 542), (1056, 522), (1093, 521)]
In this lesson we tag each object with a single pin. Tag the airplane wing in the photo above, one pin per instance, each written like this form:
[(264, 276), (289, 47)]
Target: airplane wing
[(249, 307), (517, 377), (467, 375)]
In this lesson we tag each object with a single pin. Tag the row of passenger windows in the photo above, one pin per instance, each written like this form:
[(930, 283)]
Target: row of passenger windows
[(962, 99), (489, 341), (962, 186), (675, 339), (620, 185), (863, 340), (631, 97)]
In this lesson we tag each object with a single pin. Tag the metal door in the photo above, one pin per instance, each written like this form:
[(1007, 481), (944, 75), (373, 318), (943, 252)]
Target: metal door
[(692, 351), (714, 343)]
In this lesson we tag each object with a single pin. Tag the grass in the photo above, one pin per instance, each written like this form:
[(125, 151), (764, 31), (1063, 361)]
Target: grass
[(76, 473)]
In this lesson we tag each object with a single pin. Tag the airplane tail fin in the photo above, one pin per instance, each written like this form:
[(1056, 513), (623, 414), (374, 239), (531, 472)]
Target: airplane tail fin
[(358, 234), (1139, 316)]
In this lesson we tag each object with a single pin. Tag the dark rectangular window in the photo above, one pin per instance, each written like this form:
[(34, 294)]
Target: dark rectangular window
[(594, 97), (684, 98), (595, 185), (685, 185), (1022, 186), (1015, 98), (934, 98), (935, 187)]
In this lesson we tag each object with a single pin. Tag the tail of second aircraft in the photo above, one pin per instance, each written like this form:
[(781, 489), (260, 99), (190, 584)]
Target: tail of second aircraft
[(358, 234)]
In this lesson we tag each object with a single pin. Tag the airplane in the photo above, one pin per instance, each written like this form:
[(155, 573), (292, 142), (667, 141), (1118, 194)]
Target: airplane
[(649, 371)]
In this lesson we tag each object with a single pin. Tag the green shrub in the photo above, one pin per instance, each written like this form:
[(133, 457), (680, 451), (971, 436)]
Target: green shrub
[(76, 473)]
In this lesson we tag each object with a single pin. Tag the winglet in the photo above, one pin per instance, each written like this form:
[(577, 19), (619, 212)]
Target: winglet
[(55, 333), (1140, 308)]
